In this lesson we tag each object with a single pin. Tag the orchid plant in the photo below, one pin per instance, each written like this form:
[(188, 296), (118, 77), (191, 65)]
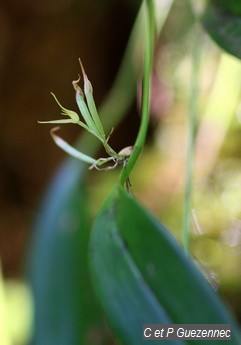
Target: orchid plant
[(92, 124)]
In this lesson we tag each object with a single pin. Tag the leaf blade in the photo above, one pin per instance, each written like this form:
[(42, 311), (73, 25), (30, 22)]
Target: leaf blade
[(223, 26), (185, 299), (131, 294)]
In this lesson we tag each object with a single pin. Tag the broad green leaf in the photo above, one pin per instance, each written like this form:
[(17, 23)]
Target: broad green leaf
[(142, 276), (65, 308), (222, 20)]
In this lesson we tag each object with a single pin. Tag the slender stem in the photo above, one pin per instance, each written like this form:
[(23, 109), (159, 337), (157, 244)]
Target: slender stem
[(150, 32), (192, 129)]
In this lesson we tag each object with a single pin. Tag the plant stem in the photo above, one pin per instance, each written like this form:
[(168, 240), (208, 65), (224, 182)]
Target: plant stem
[(150, 32), (192, 129)]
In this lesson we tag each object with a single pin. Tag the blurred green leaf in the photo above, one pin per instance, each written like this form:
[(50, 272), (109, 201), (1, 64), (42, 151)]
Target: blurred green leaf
[(65, 308), (142, 276), (222, 20)]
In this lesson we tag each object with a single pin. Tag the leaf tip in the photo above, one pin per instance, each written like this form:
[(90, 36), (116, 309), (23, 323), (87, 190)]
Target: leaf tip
[(87, 84)]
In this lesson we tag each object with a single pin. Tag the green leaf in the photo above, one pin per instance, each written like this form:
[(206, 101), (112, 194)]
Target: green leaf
[(65, 308), (141, 275), (222, 20)]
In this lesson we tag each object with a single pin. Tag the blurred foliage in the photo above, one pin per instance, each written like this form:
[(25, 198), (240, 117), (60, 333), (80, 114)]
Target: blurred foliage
[(222, 20)]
